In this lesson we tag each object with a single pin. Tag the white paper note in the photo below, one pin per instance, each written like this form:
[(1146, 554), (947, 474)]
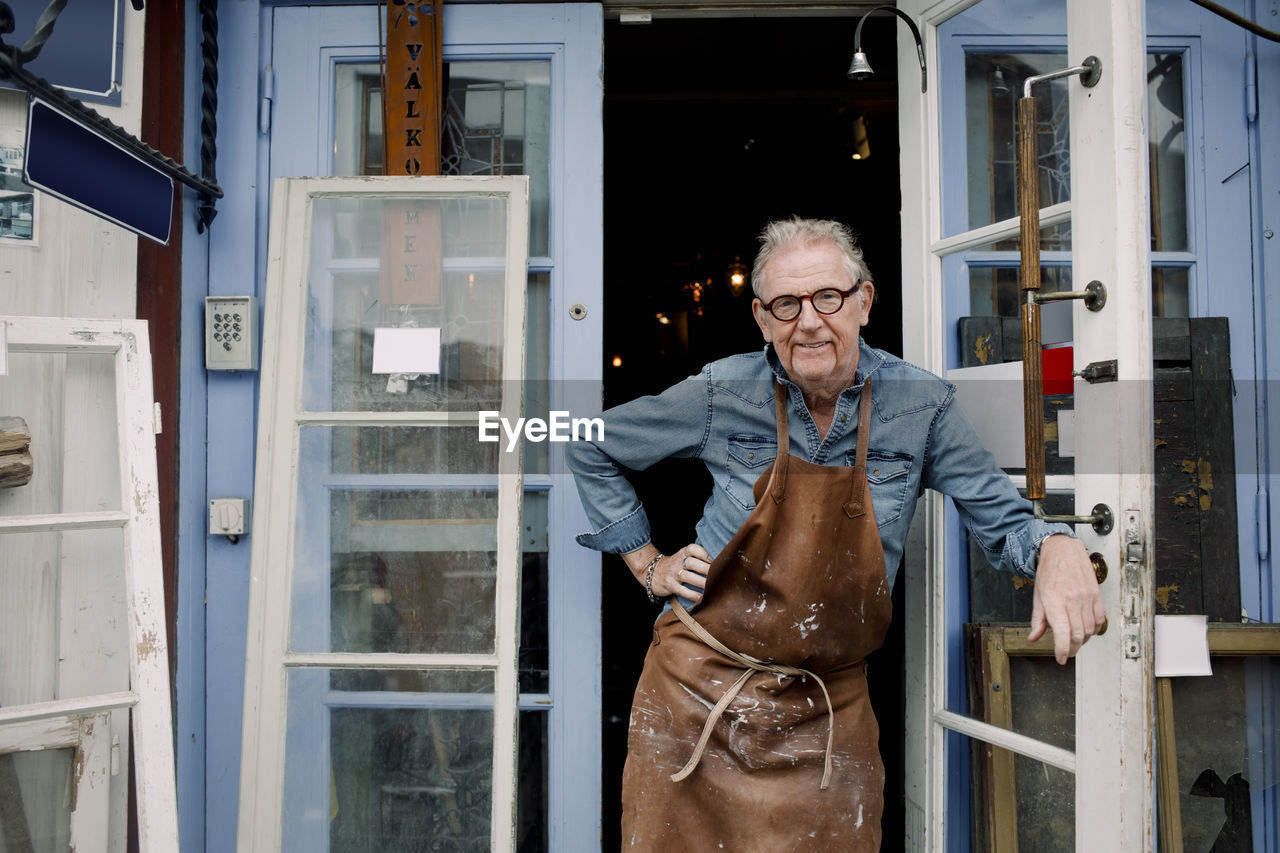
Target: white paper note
[(1182, 646), (406, 350), (1066, 433)]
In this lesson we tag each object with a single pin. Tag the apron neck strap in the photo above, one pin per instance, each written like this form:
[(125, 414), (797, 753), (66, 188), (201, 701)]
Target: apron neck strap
[(778, 480), (854, 507)]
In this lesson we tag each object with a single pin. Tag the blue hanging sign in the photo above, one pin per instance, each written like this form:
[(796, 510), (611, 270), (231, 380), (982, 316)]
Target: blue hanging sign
[(84, 53), (82, 167)]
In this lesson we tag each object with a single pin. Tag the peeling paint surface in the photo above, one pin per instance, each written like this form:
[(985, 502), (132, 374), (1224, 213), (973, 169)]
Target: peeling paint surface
[(982, 349), (148, 645)]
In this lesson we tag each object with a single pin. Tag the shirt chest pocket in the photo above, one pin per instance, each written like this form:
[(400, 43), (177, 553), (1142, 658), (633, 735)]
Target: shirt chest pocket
[(748, 457), (888, 473)]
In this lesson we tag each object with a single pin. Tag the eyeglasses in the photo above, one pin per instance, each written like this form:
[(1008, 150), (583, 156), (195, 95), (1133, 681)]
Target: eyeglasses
[(829, 300)]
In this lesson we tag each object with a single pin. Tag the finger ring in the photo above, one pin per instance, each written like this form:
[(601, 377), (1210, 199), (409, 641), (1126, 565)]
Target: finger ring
[(684, 562)]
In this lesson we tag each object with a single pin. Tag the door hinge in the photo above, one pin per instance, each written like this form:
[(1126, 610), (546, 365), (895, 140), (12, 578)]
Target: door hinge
[(1262, 518), (268, 95), (159, 424), (1251, 87)]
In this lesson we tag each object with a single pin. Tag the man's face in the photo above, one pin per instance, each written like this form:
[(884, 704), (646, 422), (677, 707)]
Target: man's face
[(819, 351)]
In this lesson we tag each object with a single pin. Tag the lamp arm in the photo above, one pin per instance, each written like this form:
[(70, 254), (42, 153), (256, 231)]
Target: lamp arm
[(915, 32)]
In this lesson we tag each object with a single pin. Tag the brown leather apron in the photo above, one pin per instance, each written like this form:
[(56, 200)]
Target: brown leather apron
[(771, 675)]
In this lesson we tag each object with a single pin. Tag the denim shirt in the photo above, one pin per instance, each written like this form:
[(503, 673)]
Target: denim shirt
[(724, 416)]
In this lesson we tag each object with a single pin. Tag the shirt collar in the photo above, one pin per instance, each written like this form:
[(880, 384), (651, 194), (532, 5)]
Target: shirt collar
[(869, 360)]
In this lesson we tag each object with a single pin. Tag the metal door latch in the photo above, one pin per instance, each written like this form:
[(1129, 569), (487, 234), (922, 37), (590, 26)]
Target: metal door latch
[(1131, 585), (1100, 371)]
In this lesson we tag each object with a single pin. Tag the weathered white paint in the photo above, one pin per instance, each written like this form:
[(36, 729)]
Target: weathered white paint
[(983, 237), (89, 736), (276, 505), (94, 633), (48, 522), (92, 621), (924, 661), (1110, 242), (1021, 744), (68, 707)]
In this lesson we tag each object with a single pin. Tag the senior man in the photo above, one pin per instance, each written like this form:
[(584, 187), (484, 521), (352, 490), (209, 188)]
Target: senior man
[(751, 729)]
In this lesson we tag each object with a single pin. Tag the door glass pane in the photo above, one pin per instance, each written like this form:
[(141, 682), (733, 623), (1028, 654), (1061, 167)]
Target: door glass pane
[(396, 450), (497, 122), (1170, 292), (1167, 132), (537, 367), (531, 809), (407, 570), (63, 619), (59, 410), (36, 798), (996, 291), (993, 87), (1019, 803), (534, 639), (405, 767), (431, 265), (1227, 746)]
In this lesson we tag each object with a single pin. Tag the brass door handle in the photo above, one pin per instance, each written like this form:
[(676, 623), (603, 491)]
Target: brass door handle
[(1099, 567), (1094, 295)]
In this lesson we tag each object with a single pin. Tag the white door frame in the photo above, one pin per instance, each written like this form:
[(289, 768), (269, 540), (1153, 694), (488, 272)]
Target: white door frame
[(1110, 243), (81, 721), (569, 37), (269, 655)]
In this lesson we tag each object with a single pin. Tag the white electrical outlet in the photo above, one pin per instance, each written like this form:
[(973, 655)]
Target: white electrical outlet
[(231, 333)]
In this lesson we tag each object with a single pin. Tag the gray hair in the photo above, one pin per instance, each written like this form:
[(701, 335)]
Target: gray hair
[(781, 232)]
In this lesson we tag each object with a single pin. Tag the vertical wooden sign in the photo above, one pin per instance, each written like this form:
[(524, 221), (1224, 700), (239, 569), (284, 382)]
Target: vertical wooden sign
[(415, 40), (412, 104)]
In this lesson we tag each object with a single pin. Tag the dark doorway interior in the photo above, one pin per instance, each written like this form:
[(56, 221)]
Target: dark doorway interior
[(712, 127)]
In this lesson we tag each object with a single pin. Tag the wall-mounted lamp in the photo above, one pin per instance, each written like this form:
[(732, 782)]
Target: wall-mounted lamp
[(737, 275), (999, 84), (861, 68)]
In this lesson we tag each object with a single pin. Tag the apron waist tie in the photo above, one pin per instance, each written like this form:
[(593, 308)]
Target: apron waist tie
[(752, 667)]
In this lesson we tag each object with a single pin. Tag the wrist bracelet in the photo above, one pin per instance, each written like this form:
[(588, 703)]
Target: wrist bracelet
[(648, 578)]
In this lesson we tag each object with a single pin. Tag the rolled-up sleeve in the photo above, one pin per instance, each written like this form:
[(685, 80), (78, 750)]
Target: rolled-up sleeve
[(999, 519), (637, 434)]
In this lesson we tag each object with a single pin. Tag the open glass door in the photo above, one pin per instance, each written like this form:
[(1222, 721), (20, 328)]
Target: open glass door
[(984, 766), (381, 690)]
